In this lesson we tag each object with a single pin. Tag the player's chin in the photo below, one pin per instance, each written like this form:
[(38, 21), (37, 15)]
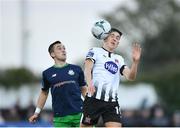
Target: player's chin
[(113, 46), (63, 59)]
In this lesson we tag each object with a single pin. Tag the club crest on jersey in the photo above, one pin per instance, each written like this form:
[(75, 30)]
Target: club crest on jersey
[(111, 67), (90, 54), (71, 72)]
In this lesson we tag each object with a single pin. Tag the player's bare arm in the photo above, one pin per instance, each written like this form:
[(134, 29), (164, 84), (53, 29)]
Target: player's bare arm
[(88, 75), (40, 104), (130, 73)]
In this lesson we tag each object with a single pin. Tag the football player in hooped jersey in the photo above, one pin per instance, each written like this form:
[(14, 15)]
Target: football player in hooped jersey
[(103, 69), (67, 84)]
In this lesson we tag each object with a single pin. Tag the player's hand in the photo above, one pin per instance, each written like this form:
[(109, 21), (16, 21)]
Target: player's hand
[(91, 89), (33, 118), (136, 52)]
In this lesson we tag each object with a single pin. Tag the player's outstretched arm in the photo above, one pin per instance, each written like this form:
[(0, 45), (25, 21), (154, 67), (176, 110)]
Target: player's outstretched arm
[(130, 73), (40, 104)]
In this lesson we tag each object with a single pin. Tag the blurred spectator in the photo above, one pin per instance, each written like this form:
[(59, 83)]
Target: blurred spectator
[(143, 119), (30, 109), (13, 115), (176, 119), (46, 116), (18, 110), (159, 118), (1, 118), (128, 119)]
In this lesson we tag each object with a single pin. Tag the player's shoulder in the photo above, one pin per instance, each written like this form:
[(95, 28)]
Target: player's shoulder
[(95, 49), (118, 56), (48, 70), (74, 66)]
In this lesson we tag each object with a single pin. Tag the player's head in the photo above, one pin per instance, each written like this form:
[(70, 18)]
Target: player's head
[(116, 30), (57, 51), (112, 40)]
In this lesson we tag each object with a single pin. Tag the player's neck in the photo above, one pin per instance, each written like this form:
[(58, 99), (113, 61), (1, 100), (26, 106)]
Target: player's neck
[(107, 48), (60, 63)]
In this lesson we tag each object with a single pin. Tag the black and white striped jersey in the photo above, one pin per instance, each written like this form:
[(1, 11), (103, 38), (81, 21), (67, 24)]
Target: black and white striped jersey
[(106, 73)]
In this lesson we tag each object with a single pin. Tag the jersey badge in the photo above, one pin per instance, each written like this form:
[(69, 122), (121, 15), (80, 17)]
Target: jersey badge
[(90, 54), (71, 72)]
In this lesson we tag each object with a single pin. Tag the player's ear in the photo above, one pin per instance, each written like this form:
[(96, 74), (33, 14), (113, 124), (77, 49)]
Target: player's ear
[(52, 54)]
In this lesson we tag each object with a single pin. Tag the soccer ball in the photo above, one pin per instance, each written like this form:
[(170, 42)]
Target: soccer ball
[(100, 29)]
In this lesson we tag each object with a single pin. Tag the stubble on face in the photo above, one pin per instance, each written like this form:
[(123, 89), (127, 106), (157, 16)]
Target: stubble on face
[(112, 41), (60, 52)]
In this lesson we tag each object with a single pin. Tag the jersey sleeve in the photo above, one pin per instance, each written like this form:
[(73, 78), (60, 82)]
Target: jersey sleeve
[(122, 65), (45, 83), (91, 55), (81, 78)]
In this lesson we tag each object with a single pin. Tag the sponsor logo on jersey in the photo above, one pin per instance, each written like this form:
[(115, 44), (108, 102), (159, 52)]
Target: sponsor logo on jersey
[(90, 54), (71, 72), (64, 83), (111, 67), (54, 75)]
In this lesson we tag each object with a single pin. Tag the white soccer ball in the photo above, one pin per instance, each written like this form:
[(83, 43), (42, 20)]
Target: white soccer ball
[(100, 29)]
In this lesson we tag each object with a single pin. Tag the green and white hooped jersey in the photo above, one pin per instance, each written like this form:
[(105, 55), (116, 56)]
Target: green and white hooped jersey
[(106, 73)]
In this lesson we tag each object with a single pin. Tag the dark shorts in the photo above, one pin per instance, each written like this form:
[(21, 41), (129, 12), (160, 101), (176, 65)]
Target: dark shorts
[(94, 108)]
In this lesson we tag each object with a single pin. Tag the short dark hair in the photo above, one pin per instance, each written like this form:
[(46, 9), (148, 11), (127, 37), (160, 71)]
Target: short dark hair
[(115, 30), (50, 49)]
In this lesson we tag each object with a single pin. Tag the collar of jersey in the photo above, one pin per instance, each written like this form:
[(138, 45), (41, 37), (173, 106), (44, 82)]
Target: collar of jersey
[(58, 66), (106, 50)]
